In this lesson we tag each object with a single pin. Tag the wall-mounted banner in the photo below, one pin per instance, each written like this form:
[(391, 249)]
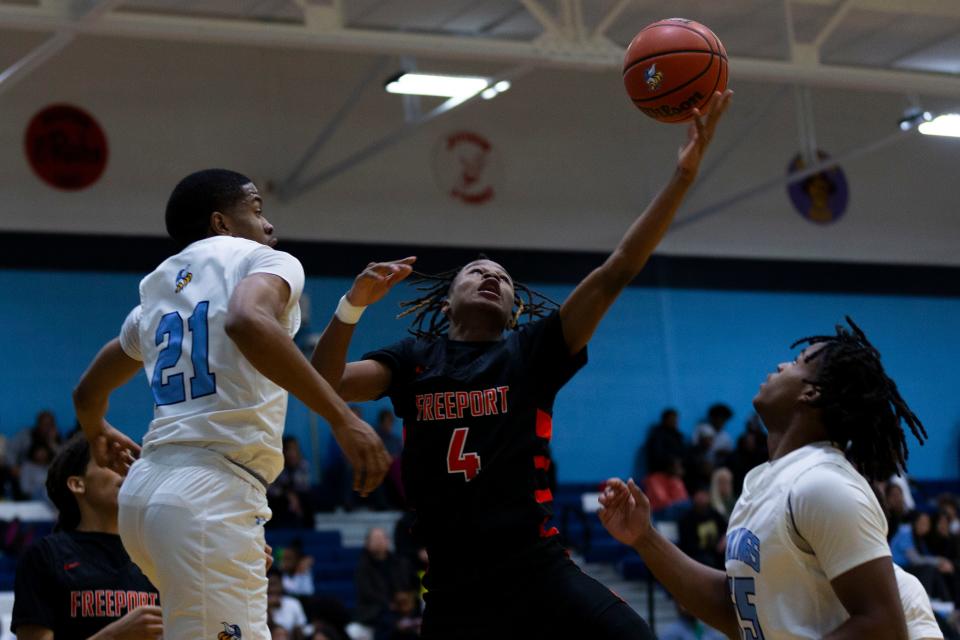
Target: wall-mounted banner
[(821, 198), (66, 147), (466, 167)]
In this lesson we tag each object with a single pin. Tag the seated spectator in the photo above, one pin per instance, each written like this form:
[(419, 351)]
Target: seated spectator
[(379, 576), (389, 495), (296, 570), (901, 480), (687, 627), (406, 608), (703, 531), (666, 489), (751, 451), (895, 508), (81, 562), (33, 471), (947, 504), (697, 464), (284, 611), (392, 441), (290, 496), (44, 430), (722, 497), (663, 444), (941, 542), (910, 551), (717, 417)]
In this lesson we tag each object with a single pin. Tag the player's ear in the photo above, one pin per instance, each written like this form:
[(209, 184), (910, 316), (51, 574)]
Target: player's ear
[(75, 484), (810, 393), (445, 307), (219, 224)]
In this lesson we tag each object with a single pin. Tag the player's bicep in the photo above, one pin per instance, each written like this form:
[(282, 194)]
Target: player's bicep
[(258, 293), (870, 590), (365, 380), (34, 632)]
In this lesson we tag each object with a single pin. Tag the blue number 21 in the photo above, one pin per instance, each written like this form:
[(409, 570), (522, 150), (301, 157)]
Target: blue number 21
[(741, 589), (203, 382)]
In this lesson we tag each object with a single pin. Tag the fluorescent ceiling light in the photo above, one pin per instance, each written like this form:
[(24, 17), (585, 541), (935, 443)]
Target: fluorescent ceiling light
[(946, 125), (422, 84)]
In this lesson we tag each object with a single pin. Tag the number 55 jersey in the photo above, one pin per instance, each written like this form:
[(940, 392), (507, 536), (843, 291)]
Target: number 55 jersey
[(206, 394), (477, 421), (802, 520)]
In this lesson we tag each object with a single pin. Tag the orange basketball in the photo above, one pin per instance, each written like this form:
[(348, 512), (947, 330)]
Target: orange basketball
[(673, 67)]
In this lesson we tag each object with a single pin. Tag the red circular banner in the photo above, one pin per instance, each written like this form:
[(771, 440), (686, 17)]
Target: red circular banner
[(66, 147)]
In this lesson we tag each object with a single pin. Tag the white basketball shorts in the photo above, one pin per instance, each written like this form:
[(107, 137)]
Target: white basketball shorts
[(193, 522)]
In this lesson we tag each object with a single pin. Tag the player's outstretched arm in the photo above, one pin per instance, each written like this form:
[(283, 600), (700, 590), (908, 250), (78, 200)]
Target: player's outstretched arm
[(582, 311), (869, 594), (111, 368), (253, 324), (625, 512), (366, 379)]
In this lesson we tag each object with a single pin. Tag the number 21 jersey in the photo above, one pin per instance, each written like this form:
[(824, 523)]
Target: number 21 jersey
[(206, 393)]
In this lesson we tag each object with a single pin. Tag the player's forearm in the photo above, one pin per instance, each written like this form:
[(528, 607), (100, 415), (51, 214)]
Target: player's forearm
[(267, 346), (646, 232), (699, 588), (330, 355), (110, 369), (582, 311), (865, 626)]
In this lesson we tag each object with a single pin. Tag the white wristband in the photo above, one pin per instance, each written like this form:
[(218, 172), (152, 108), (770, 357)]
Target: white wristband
[(348, 313)]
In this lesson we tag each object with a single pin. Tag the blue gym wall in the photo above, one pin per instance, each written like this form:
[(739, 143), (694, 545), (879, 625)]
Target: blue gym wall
[(657, 347)]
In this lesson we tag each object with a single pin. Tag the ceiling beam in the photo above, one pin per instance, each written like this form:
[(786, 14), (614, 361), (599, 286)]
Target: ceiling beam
[(554, 52), (929, 8)]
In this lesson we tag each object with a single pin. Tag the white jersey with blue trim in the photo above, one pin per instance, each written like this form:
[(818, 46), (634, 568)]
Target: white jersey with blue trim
[(801, 521), (206, 393)]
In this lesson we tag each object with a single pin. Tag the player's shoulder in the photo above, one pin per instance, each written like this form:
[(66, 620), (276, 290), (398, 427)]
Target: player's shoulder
[(829, 478), (47, 549)]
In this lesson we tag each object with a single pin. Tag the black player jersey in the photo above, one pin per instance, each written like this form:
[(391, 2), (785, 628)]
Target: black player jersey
[(477, 422), (75, 583)]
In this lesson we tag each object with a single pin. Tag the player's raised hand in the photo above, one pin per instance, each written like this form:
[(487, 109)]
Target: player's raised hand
[(376, 280), (142, 622), (700, 133), (365, 451), (625, 511), (112, 449)]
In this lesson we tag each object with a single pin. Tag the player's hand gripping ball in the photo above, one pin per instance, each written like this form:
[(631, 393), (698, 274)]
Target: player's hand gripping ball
[(673, 67)]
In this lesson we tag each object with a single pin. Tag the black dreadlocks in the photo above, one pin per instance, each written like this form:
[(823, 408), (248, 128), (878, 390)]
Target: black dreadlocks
[(427, 309), (861, 405)]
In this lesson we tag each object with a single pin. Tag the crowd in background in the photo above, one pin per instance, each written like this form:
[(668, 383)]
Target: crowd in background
[(693, 482)]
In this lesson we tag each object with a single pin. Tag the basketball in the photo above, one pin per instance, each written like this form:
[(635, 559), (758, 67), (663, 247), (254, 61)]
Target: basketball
[(673, 67)]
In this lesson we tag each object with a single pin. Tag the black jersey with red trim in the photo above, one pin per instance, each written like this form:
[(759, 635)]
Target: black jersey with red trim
[(75, 583), (477, 421)]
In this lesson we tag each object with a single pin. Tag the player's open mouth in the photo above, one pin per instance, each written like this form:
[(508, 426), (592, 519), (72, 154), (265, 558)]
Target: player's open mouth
[(490, 289)]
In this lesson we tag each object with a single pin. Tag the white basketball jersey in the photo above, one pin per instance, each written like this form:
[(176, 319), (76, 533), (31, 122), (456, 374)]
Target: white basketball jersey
[(921, 623), (802, 520), (206, 393)]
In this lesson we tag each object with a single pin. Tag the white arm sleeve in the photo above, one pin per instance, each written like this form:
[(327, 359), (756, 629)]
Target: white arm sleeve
[(130, 334), (279, 263), (839, 517)]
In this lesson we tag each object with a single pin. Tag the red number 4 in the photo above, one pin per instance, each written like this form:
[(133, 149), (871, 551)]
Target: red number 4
[(459, 462)]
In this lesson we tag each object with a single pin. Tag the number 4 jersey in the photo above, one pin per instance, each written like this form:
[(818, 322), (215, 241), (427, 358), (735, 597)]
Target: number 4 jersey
[(206, 393), (477, 423), (802, 520)]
